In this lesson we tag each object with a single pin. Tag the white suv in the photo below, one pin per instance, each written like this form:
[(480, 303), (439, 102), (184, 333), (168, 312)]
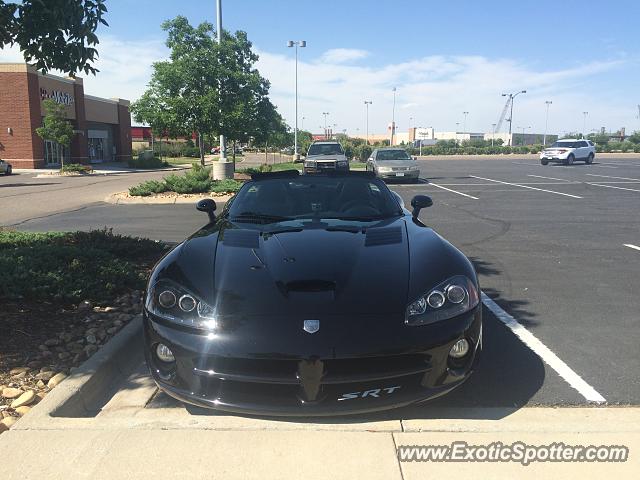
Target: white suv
[(569, 150)]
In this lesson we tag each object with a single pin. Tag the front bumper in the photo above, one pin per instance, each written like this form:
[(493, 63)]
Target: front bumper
[(283, 384), (404, 175), (329, 167)]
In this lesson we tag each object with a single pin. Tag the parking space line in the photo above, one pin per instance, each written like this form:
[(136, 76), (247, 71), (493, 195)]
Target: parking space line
[(548, 178), (603, 166), (526, 186), (611, 186), (540, 349), (609, 176), (622, 164), (635, 247), (454, 191)]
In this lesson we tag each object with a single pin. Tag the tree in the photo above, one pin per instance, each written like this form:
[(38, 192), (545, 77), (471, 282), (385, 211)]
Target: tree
[(55, 126), (206, 87), (54, 34)]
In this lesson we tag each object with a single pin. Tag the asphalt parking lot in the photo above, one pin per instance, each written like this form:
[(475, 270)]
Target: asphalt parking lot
[(557, 249)]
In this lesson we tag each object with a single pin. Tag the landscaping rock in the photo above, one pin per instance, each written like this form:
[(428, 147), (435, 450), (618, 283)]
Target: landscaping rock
[(46, 376), (91, 339), (41, 384), (3, 427), (25, 399), (34, 364), (8, 422), (64, 355), (56, 379), (19, 376), (18, 370), (11, 392), (23, 410), (52, 342), (45, 369), (90, 350)]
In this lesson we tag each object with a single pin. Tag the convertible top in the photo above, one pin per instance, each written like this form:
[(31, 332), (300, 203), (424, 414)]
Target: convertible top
[(296, 173)]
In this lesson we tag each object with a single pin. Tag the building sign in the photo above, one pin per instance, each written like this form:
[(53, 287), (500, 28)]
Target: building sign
[(57, 96)]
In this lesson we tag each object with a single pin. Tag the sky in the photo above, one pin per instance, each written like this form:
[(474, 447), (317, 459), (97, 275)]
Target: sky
[(443, 58)]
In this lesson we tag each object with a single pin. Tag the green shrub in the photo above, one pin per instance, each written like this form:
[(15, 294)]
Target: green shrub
[(260, 169), (66, 267), (196, 180), (145, 161), (147, 188), (225, 186), (76, 168)]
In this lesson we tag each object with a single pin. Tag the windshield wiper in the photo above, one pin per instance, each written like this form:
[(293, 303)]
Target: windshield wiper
[(253, 217)]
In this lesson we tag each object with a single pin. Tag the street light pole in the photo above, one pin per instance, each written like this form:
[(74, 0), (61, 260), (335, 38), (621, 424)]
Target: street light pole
[(493, 134), (296, 44), (584, 123), (223, 142), (546, 124), (366, 104), (512, 97), (302, 125), (325, 124), (464, 125), (393, 117)]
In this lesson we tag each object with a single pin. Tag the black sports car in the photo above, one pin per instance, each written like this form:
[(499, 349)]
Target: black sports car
[(312, 295)]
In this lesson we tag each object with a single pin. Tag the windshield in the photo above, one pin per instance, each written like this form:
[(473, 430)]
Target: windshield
[(346, 198), (392, 155), (325, 149), (565, 145)]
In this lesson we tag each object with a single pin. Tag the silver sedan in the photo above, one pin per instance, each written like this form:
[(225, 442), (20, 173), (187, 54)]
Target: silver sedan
[(393, 164)]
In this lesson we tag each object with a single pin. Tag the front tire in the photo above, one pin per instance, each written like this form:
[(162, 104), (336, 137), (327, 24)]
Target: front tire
[(569, 160), (544, 162), (8, 172), (589, 159)]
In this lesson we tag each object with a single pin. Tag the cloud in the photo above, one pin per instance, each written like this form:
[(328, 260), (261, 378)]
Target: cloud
[(342, 55)]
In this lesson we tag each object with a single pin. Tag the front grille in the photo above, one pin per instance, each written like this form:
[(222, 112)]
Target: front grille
[(326, 165), (400, 169)]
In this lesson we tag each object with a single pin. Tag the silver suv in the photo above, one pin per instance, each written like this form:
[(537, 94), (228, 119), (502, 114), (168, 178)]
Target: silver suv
[(568, 150), (325, 156)]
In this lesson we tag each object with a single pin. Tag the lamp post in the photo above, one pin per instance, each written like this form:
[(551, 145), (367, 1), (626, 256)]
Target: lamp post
[(584, 123), (546, 123), (302, 124), (366, 104), (296, 44), (223, 143), (493, 134), (457, 128), (464, 125), (512, 97), (325, 124), (393, 117)]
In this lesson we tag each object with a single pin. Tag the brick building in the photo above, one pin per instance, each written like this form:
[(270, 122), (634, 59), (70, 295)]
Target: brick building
[(102, 126)]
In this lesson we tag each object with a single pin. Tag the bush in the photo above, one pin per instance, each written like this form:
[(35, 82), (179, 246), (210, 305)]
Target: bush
[(66, 267), (261, 169), (147, 188), (146, 161), (76, 168)]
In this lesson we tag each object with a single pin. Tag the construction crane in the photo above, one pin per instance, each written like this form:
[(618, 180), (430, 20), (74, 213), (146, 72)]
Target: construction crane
[(503, 114)]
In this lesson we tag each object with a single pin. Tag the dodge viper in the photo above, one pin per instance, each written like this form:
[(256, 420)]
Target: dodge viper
[(312, 295)]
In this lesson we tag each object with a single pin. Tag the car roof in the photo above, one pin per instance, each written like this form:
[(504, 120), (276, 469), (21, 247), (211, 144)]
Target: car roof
[(391, 148), (571, 140)]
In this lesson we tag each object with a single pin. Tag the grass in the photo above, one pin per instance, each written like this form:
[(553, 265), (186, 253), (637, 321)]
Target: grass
[(68, 267), (196, 180)]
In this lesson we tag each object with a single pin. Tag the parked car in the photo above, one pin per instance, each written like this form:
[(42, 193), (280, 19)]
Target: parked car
[(215, 150), (325, 155), (5, 167), (312, 295), (393, 163), (569, 150)]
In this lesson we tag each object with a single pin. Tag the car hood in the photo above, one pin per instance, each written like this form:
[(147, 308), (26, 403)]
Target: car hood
[(397, 163), (312, 271)]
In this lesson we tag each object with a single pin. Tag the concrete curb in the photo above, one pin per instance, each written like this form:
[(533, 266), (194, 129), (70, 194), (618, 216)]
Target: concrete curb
[(77, 395), (117, 199)]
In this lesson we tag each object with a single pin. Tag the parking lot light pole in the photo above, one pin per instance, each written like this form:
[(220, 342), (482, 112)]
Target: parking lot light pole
[(393, 117), (464, 125), (546, 124), (512, 97), (493, 133), (325, 124), (296, 44), (366, 104), (584, 124), (223, 143)]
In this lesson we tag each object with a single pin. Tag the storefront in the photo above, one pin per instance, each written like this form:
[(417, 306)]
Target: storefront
[(102, 127)]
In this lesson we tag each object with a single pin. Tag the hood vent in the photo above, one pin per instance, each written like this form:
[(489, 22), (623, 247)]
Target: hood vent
[(382, 236), (241, 238)]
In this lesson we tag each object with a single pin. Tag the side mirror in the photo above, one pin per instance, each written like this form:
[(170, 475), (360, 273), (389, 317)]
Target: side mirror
[(418, 203), (209, 207)]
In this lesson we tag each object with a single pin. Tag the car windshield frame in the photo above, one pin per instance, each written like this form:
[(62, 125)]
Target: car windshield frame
[(313, 197), (398, 150), (332, 149), (565, 144)]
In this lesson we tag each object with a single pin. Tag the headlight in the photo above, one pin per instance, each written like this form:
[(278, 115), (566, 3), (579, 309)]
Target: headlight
[(176, 304), (309, 163), (451, 298)]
